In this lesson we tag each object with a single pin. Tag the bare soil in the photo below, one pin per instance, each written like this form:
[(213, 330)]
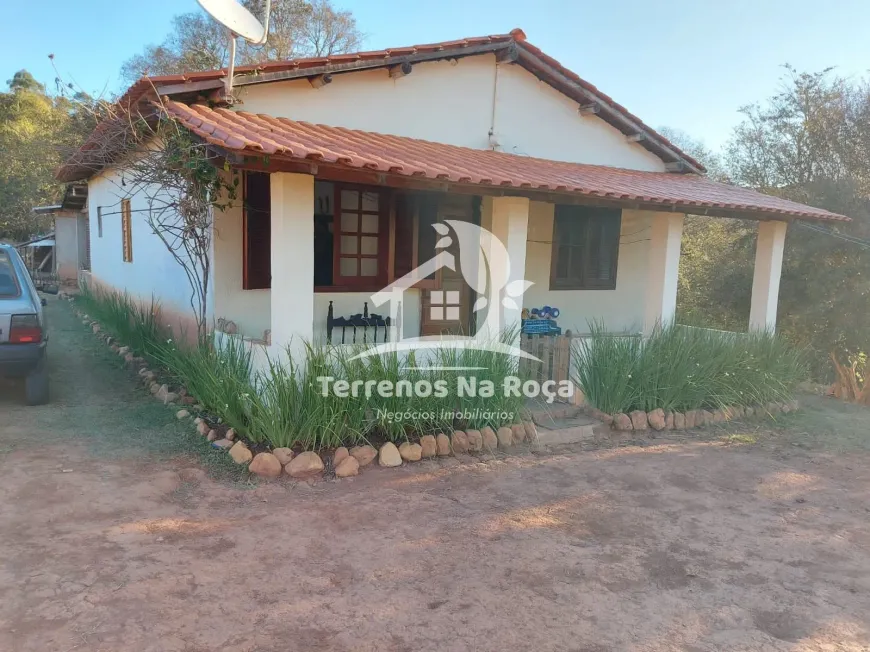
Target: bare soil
[(750, 541)]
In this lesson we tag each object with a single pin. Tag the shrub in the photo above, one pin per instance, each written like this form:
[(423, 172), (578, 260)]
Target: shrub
[(133, 324), (219, 379), (288, 407), (284, 405), (291, 408), (682, 368)]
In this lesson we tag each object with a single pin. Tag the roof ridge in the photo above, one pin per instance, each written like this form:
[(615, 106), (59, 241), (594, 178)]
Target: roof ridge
[(532, 58)]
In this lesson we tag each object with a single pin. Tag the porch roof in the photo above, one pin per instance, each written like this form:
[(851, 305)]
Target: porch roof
[(257, 135)]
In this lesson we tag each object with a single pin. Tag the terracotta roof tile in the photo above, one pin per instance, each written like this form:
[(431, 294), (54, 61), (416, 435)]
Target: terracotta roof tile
[(517, 36), (253, 134)]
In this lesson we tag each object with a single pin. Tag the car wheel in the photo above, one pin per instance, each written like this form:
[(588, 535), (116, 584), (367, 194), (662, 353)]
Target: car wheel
[(36, 385)]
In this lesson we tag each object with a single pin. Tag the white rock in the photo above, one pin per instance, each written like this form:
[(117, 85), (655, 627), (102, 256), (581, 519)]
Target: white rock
[(389, 455)]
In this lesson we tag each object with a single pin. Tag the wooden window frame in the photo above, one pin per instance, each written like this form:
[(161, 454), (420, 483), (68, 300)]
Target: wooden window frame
[(247, 282), (360, 283), (584, 220), (127, 230)]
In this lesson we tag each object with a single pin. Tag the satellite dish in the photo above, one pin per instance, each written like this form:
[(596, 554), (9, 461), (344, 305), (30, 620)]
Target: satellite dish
[(236, 18), (240, 22)]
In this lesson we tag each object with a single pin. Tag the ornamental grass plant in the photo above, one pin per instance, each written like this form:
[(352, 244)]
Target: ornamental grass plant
[(679, 368), (283, 404)]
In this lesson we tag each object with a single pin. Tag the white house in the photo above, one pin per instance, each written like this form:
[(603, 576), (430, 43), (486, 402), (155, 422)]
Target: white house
[(348, 161)]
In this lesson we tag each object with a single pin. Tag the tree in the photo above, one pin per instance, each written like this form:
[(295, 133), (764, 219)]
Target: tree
[(24, 81), (196, 43), (36, 131), (712, 290), (809, 142), (697, 150), (297, 28), (179, 177), (304, 29)]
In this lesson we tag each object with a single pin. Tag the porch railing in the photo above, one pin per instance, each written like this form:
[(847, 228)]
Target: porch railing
[(359, 328), (554, 353)]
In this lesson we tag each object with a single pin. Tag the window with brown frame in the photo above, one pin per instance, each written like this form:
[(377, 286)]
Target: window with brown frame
[(360, 225), (257, 231), (585, 248), (127, 230), (355, 228)]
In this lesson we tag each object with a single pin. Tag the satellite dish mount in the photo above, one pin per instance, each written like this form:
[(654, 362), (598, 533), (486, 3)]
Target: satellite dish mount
[(239, 23)]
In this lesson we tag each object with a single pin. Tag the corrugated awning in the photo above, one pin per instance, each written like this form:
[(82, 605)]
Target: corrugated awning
[(257, 135), (41, 243)]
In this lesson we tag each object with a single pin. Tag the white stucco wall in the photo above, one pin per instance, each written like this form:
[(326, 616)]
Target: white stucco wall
[(153, 272), (534, 119), (455, 103), (250, 309), (66, 250), (621, 309)]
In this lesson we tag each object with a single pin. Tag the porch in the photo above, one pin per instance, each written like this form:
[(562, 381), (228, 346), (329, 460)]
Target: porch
[(302, 258), (332, 216)]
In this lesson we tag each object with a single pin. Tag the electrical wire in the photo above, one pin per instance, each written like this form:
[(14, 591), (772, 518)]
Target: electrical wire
[(861, 242)]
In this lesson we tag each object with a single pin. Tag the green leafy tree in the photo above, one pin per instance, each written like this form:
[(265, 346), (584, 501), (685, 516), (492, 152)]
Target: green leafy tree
[(809, 142), (24, 81), (36, 131)]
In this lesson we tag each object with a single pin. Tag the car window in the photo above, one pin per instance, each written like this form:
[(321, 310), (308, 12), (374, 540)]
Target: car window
[(8, 284)]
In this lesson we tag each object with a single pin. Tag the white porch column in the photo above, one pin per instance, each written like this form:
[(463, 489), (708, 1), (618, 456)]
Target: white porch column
[(292, 251), (664, 270), (509, 222), (765, 281)]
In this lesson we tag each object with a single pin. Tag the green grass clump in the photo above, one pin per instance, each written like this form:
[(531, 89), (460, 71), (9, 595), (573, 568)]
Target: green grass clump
[(134, 324), (678, 368), (284, 404), (219, 379)]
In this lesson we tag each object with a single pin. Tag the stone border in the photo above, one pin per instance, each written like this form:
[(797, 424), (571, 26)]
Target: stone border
[(343, 463), (659, 420)]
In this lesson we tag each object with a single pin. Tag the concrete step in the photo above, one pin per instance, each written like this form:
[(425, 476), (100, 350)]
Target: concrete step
[(570, 430), (548, 415)]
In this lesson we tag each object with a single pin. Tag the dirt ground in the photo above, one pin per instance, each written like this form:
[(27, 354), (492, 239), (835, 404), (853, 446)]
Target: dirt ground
[(741, 542)]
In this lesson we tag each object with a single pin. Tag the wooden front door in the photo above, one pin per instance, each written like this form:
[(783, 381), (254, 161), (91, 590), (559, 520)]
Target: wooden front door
[(447, 309)]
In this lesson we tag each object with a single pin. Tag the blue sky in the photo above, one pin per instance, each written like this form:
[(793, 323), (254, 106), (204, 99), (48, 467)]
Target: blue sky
[(687, 64)]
